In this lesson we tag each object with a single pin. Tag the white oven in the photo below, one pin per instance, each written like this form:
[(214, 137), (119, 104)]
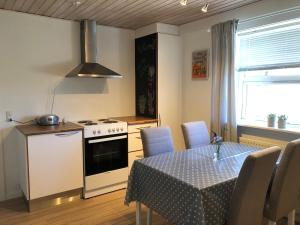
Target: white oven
[(105, 158)]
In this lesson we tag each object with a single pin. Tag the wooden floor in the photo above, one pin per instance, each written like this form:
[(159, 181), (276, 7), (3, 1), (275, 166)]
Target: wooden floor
[(107, 209)]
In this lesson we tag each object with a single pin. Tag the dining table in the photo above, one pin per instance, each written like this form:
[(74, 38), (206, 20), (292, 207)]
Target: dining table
[(190, 187)]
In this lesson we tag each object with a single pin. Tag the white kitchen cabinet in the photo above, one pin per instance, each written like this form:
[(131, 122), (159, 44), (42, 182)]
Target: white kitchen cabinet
[(134, 142), (160, 96), (169, 85), (50, 163), (134, 156), (137, 128), (55, 163), (135, 146)]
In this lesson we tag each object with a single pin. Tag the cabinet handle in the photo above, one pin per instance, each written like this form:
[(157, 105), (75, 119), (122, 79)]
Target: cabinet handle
[(159, 120), (141, 128), (107, 172), (138, 137), (66, 134)]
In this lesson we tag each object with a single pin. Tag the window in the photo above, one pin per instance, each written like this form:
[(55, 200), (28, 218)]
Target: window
[(268, 78)]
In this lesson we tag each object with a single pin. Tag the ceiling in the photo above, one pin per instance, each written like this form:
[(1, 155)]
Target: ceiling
[(130, 14)]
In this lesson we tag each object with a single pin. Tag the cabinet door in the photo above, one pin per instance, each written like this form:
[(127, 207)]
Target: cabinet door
[(146, 76), (55, 163), (134, 156), (169, 85), (134, 136), (134, 142), (139, 127)]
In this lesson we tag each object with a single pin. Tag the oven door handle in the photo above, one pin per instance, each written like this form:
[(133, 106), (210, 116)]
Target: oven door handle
[(107, 139)]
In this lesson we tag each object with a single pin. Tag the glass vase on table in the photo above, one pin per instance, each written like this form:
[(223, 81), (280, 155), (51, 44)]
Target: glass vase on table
[(217, 141)]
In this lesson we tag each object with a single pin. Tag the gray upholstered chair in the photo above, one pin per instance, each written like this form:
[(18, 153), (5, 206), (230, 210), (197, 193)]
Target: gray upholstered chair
[(251, 187), (157, 140), (195, 134), (285, 190)]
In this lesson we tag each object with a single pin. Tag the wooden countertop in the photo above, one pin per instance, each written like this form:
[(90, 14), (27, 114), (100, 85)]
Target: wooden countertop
[(134, 120), (34, 129)]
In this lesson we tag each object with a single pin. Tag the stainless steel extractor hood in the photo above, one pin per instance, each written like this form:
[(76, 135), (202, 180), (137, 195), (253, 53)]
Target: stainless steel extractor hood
[(89, 66)]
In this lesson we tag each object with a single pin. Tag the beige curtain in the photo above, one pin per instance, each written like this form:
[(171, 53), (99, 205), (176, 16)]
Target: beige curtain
[(223, 118)]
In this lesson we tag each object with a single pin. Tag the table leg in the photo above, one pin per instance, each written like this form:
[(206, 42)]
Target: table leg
[(291, 218), (149, 217), (138, 213)]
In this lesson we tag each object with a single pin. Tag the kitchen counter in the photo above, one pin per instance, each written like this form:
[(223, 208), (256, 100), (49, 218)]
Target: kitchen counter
[(134, 120), (34, 129)]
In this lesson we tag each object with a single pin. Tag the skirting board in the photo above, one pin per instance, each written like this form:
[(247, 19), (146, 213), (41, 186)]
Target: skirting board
[(13, 194)]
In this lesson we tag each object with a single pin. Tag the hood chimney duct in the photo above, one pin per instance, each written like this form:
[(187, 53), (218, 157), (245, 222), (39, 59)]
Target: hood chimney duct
[(89, 66)]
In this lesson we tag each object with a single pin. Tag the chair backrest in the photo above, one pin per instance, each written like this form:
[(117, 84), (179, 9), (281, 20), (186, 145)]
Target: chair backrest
[(157, 140), (285, 191), (251, 187), (195, 134)]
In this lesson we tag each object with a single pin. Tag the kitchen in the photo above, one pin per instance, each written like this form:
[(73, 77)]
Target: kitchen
[(40, 51), (41, 87)]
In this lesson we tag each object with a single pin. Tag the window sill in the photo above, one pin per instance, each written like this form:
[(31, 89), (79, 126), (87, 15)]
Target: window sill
[(262, 125)]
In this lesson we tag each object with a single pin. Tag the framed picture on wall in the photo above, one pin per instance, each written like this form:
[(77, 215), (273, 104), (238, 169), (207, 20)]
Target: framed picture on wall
[(200, 64)]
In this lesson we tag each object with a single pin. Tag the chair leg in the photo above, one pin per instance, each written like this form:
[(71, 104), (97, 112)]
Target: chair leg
[(149, 217), (271, 223), (138, 213), (291, 218)]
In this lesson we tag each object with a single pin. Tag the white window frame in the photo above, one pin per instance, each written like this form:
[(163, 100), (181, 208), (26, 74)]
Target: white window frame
[(243, 81)]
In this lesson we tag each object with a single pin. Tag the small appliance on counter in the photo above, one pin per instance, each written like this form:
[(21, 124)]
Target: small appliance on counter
[(47, 120)]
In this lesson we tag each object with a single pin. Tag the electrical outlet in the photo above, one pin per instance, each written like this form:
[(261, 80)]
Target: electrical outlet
[(9, 116)]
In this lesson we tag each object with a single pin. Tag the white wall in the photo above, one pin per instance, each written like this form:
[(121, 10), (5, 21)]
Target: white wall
[(196, 36), (36, 53)]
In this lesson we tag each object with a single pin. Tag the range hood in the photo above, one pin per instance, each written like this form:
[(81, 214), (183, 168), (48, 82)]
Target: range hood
[(89, 66)]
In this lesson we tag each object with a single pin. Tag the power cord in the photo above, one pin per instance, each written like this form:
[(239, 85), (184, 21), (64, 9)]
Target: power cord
[(12, 120), (53, 100)]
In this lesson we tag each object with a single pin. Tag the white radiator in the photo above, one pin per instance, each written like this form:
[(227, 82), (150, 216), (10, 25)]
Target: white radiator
[(261, 142)]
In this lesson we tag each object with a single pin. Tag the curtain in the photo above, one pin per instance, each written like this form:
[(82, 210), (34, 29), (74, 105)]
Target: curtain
[(223, 112)]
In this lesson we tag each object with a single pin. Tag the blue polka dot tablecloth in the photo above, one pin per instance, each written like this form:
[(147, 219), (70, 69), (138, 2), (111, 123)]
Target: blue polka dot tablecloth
[(188, 187)]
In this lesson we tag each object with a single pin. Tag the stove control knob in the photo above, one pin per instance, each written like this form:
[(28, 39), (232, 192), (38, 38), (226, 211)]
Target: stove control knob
[(99, 132), (109, 130), (118, 129), (121, 129), (113, 130), (94, 132)]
